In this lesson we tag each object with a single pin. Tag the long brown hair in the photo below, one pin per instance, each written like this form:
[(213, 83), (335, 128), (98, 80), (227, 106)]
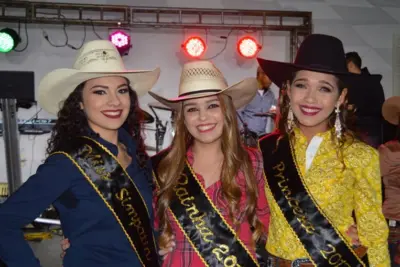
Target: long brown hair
[(236, 159), (346, 117)]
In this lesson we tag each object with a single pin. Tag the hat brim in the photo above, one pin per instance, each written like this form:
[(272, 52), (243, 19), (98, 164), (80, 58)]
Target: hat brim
[(391, 110), (57, 85), (281, 72), (241, 93)]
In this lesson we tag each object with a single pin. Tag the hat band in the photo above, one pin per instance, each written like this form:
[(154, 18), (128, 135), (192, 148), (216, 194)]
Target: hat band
[(201, 91)]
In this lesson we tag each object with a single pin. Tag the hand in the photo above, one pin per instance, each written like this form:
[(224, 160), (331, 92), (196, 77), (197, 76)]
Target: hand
[(163, 252), (64, 246), (353, 233)]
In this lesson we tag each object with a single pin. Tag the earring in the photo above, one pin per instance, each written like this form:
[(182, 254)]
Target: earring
[(338, 125), (290, 119)]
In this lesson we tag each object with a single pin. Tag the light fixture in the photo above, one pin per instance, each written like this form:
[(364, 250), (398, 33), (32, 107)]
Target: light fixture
[(248, 47), (194, 47), (121, 40), (9, 39)]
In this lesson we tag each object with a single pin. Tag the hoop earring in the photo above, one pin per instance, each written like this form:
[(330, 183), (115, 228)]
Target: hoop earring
[(338, 125), (290, 119)]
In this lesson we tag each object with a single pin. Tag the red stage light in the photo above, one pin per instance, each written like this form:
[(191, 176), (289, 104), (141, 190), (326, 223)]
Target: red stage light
[(248, 47), (194, 47), (121, 40)]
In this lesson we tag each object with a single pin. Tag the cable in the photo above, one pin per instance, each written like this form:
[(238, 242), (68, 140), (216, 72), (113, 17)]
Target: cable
[(83, 40), (34, 115), (46, 36), (26, 34), (66, 43), (94, 30), (225, 45)]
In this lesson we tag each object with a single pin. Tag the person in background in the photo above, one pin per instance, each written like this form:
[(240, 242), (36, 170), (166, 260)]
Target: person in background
[(255, 114), (97, 173), (390, 170), (366, 100), (320, 178)]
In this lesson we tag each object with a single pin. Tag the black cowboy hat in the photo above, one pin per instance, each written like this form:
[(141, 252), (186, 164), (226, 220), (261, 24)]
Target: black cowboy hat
[(319, 53)]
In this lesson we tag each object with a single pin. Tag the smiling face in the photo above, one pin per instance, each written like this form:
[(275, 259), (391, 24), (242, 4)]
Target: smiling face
[(204, 119), (106, 103), (313, 97)]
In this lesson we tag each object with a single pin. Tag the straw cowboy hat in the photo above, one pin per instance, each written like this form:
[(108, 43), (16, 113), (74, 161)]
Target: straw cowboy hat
[(95, 59), (202, 78), (391, 110), (319, 53)]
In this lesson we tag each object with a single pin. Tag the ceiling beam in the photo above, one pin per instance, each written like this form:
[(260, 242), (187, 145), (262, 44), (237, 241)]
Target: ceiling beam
[(156, 17)]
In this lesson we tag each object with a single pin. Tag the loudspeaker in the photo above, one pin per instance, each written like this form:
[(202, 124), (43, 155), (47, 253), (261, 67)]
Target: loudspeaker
[(18, 85)]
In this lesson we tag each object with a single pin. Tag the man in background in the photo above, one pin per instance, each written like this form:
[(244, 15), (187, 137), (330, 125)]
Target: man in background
[(366, 101), (256, 113)]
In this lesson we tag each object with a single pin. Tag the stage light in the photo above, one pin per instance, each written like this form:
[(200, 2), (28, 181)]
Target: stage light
[(194, 47), (9, 39), (121, 40), (248, 47)]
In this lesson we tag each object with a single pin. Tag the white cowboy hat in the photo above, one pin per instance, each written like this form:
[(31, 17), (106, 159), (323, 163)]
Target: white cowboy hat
[(95, 59), (202, 78)]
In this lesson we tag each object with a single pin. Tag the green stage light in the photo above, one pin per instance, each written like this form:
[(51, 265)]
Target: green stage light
[(9, 39)]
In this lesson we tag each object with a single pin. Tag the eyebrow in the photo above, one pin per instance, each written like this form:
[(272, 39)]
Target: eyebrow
[(327, 83), (106, 87), (300, 79), (320, 81), (193, 104)]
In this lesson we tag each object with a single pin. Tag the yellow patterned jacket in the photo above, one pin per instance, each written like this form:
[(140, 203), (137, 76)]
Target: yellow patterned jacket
[(338, 192)]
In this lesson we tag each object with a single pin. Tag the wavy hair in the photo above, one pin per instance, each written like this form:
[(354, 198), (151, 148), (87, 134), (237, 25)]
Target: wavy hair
[(72, 123), (236, 159)]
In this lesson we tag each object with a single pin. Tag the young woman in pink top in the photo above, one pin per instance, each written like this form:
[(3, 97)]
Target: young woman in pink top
[(211, 188)]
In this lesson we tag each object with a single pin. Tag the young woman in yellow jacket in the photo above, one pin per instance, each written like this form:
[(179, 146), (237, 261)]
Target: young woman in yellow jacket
[(320, 178)]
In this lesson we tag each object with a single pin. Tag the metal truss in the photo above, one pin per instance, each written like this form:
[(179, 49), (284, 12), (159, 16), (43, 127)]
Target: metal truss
[(299, 24)]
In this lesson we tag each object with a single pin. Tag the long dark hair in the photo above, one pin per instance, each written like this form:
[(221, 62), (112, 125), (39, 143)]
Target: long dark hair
[(72, 123)]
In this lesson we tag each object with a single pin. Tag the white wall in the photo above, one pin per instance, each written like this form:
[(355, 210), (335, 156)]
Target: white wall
[(363, 26)]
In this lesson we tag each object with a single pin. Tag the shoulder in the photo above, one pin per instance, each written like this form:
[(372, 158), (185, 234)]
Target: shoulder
[(390, 146), (255, 156), (361, 154), (361, 148), (61, 162), (70, 147), (57, 167), (58, 158)]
